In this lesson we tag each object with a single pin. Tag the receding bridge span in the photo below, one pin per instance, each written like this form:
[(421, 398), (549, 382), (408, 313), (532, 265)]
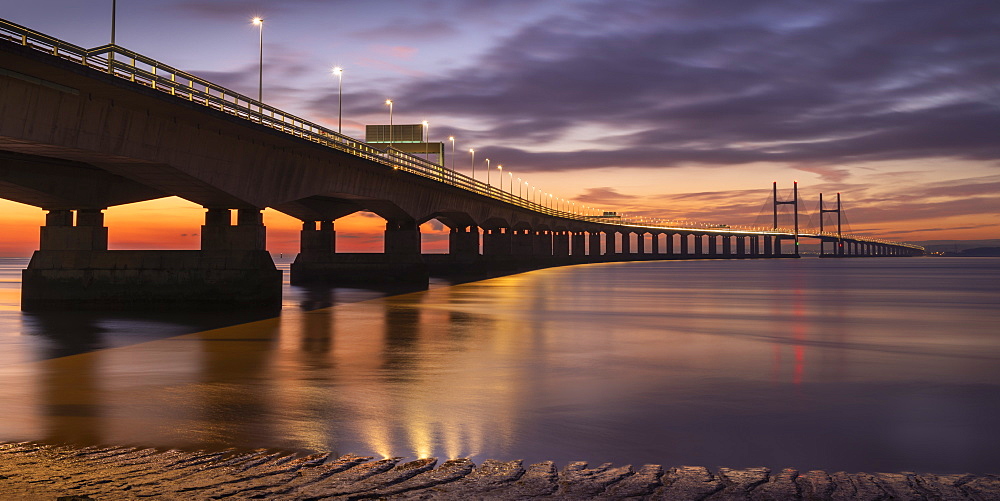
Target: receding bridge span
[(82, 130)]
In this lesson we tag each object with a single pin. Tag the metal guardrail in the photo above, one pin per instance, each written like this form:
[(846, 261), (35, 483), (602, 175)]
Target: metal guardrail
[(153, 74)]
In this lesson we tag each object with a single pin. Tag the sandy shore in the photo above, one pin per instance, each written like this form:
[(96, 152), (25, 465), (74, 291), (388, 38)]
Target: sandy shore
[(39, 472)]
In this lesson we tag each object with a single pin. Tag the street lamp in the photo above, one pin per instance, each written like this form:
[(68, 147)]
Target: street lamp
[(487, 175), (473, 153), (340, 97), (519, 187), (259, 22), (452, 139), (427, 137), (111, 54), (389, 102), (500, 182)]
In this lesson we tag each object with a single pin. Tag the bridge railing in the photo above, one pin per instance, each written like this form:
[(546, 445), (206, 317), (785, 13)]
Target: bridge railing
[(156, 75)]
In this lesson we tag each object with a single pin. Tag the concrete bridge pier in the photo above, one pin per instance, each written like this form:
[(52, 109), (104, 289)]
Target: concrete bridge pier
[(670, 245), (698, 245), (578, 246), (594, 246), (543, 245), (315, 241), (73, 268), (498, 252), (523, 244), (741, 246), (463, 243), (656, 245), (400, 263), (560, 244), (684, 245), (727, 245)]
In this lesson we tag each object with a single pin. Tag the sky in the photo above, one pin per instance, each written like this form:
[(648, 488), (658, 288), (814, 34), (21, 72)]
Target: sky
[(675, 109)]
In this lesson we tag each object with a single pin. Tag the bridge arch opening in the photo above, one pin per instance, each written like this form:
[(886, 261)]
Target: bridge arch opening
[(19, 225), (361, 232), (169, 223), (434, 237)]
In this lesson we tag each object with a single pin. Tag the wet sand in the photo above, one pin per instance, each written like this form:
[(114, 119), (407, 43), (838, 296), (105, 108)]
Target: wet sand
[(38, 471)]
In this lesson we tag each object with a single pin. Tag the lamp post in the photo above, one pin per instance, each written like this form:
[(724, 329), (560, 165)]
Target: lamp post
[(487, 175), (500, 182), (111, 55), (452, 139), (511, 186), (259, 22), (340, 97), (427, 137), (389, 102)]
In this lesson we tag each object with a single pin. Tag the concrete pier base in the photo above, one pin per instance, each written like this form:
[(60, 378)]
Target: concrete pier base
[(359, 269), (150, 279)]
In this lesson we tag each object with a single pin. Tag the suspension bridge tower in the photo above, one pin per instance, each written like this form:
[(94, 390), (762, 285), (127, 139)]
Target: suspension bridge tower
[(794, 202), (838, 249)]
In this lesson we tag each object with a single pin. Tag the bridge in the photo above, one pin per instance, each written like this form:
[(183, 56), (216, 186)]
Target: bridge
[(82, 130)]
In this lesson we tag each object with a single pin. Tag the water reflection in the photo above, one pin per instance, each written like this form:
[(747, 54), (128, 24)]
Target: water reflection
[(807, 364)]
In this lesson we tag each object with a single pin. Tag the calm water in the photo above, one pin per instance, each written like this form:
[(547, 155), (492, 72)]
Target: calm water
[(887, 364)]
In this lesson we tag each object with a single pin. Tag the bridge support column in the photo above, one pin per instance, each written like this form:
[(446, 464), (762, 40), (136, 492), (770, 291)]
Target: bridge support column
[(656, 244), (713, 244), (317, 242), (400, 263), (560, 244), (609, 243), (543, 244), (698, 245), (497, 242), (594, 245), (684, 244), (88, 234), (522, 243), (669, 247), (402, 239), (741, 246), (768, 248), (727, 245), (578, 243), (219, 234), (627, 244), (74, 270), (463, 242)]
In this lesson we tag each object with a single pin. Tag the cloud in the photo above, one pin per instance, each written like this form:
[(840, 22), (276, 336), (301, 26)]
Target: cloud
[(408, 29), (810, 85), (603, 196)]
